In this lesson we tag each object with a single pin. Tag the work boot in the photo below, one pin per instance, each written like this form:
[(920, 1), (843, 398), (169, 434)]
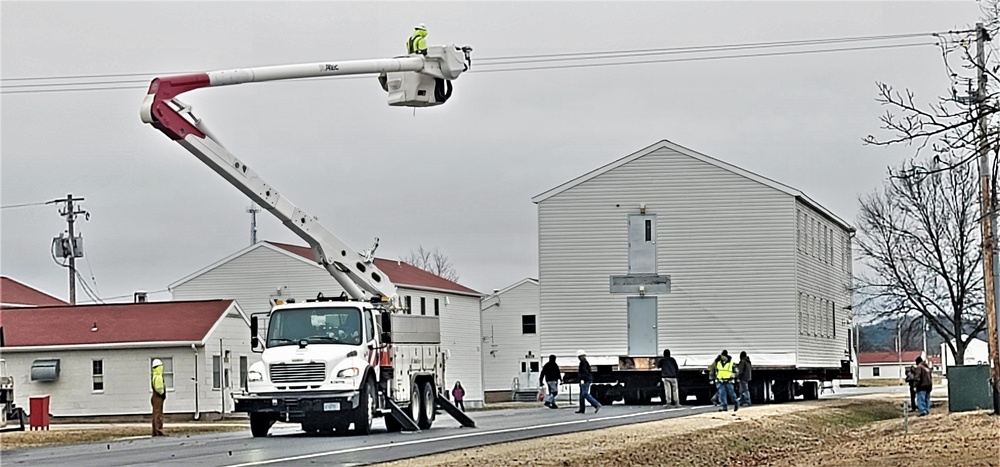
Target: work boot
[(553, 406), (579, 411), (597, 409)]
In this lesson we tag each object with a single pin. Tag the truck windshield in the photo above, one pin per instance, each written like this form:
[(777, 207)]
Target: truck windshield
[(315, 325)]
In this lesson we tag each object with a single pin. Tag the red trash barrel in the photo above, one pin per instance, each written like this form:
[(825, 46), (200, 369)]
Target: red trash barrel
[(38, 407)]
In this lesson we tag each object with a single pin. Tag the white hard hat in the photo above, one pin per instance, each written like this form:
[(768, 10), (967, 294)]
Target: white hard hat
[(157, 362), (420, 26), (581, 353)]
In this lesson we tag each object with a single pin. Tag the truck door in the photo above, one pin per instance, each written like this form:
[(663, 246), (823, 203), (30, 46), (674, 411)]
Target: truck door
[(642, 326)]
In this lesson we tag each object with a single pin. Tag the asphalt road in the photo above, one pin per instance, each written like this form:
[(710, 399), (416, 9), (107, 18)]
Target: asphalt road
[(288, 446)]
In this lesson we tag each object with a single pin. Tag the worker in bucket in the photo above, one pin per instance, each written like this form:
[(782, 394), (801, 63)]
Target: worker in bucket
[(586, 380), (418, 41), (725, 376), (159, 396)]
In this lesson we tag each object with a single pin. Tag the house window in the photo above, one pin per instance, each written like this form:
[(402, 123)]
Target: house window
[(527, 324), (875, 371), (97, 373), (243, 372), (216, 372), (437, 307), (408, 305), (168, 371), (423, 305)]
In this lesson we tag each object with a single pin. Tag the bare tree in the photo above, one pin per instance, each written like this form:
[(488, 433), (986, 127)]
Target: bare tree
[(919, 239), (432, 261)]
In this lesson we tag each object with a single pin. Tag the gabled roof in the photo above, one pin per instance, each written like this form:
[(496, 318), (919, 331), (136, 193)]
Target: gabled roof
[(400, 273), (182, 322), (664, 144), (16, 294), (515, 285), (907, 357)]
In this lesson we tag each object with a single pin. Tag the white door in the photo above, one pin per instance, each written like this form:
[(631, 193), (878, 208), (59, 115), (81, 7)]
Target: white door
[(528, 375)]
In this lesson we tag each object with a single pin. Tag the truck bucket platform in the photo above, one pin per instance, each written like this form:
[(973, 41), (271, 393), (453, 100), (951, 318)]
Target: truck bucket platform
[(454, 412), (401, 416)]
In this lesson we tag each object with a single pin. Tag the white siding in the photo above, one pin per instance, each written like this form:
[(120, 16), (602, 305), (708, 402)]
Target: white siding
[(823, 278), (504, 345), (885, 371), (728, 243), (127, 376), (253, 277), (234, 336)]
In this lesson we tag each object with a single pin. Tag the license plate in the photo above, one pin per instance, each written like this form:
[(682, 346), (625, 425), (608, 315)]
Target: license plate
[(331, 406)]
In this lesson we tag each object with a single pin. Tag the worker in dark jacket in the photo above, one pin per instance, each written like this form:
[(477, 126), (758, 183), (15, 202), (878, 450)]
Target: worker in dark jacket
[(586, 380), (744, 372), (668, 372), (925, 382), (551, 375)]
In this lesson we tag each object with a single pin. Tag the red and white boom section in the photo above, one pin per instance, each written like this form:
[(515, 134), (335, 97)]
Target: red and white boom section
[(411, 81)]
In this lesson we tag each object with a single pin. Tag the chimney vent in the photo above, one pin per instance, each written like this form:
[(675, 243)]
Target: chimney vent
[(140, 296)]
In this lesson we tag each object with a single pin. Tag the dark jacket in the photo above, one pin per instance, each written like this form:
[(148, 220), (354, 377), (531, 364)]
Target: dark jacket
[(668, 367), (551, 373), (744, 370), (925, 380), (585, 375)]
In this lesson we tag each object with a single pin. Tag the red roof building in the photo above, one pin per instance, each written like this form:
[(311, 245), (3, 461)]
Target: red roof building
[(16, 294), (907, 357)]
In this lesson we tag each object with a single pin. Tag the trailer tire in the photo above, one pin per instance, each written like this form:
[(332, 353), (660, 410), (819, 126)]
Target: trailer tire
[(364, 414), (416, 408), (810, 390), (260, 424), (427, 414)]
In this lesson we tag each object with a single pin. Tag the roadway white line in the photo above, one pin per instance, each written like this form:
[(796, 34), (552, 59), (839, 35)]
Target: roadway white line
[(450, 437)]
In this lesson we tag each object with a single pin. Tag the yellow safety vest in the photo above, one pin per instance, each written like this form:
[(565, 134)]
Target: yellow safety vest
[(417, 42), (157, 381), (724, 371)]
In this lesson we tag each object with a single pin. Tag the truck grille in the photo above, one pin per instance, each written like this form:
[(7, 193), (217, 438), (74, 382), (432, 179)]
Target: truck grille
[(297, 372)]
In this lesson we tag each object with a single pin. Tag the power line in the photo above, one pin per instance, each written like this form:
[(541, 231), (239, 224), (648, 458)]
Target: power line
[(12, 206)]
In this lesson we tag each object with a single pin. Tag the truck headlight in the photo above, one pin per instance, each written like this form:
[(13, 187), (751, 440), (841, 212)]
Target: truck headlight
[(348, 373), (254, 376)]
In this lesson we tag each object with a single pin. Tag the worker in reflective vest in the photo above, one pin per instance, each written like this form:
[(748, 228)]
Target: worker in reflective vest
[(724, 376), (159, 396), (417, 43)]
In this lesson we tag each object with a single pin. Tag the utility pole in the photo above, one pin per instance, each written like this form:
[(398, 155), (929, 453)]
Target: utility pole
[(71, 247), (989, 217), (253, 210)]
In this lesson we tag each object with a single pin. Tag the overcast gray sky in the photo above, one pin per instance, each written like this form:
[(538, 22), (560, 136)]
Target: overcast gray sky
[(458, 177)]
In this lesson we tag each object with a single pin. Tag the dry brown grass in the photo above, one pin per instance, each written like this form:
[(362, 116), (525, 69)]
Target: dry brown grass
[(27, 439)]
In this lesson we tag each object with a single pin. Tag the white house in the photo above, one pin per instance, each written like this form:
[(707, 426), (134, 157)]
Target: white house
[(977, 353), (94, 360), (754, 265), (890, 365), (510, 340), (257, 273)]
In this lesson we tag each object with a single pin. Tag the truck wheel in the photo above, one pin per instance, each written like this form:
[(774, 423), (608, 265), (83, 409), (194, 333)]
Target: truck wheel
[(416, 407), (427, 414), (365, 413), (259, 424), (810, 390)]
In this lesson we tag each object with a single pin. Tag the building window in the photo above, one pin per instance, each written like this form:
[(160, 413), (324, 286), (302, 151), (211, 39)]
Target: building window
[(437, 307), (216, 372), (407, 305), (875, 371), (423, 305), (243, 372), (527, 324), (97, 373), (168, 371)]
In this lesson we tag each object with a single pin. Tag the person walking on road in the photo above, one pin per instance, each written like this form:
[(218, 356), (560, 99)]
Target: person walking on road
[(744, 372), (724, 377), (551, 375), (668, 372), (586, 380), (159, 396), (925, 382), (458, 392)]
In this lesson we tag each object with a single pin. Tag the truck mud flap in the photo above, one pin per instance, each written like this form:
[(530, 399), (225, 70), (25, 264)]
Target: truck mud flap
[(454, 412), (402, 417)]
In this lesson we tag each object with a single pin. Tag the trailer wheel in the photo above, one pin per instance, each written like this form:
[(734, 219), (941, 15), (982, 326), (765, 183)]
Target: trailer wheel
[(810, 390), (427, 414), (260, 424), (416, 408), (365, 413)]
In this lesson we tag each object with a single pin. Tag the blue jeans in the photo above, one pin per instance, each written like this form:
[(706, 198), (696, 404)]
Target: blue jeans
[(585, 396), (924, 402), (726, 394), (553, 391), (744, 393)]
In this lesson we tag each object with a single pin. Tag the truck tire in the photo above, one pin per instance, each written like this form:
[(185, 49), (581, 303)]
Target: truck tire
[(427, 401), (259, 425), (364, 415), (810, 390), (416, 407)]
